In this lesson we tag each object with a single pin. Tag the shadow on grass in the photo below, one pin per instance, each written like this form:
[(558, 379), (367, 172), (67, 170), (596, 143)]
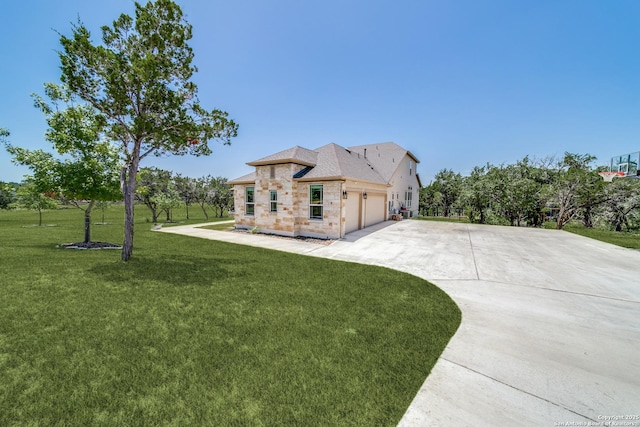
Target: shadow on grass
[(177, 270)]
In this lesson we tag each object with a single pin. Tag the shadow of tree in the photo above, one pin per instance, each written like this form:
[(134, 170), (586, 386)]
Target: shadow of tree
[(176, 270)]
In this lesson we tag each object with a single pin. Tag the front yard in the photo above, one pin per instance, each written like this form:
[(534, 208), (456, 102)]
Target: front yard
[(197, 332)]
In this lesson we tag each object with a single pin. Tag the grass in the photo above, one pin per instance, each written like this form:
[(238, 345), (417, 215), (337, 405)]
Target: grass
[(198, 332), (626, 239)]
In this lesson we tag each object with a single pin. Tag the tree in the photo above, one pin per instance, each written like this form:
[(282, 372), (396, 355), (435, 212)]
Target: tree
[(220, 195), (574, 173), (30, 197), (591, 194), (203, 194), (447, 183), (139, 79), (475, 194), (89, 171), (152, 182), (7, 195), (623, 199), (168, 200), (186, 188)]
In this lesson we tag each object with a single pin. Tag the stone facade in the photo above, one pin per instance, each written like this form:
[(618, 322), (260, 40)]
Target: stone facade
[(291, 215), (327, 192)]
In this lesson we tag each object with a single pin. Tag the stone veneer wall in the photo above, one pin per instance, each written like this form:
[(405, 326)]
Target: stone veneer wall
[(283, 221), (332, 212), (242, 220)]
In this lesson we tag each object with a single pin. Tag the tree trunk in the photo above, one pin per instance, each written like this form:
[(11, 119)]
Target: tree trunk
[(87, 222), (587, 217), (187, 206), (205, 211), (128, 180)]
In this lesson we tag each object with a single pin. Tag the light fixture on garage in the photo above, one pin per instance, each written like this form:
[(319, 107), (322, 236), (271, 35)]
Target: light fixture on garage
[(344, 194), (364, 195)]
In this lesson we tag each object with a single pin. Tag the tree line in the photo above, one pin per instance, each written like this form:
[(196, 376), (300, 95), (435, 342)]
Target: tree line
[(159, 190), (530, 192)]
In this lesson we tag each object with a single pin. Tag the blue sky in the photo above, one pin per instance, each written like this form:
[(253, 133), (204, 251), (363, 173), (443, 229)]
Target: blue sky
[(457, 82)]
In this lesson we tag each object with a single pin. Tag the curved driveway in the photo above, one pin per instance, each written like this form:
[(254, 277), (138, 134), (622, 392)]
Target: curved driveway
[(550, 331)]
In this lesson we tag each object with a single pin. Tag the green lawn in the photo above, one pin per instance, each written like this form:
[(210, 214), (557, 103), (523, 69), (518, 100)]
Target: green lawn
[(198, 332), (626, 239)]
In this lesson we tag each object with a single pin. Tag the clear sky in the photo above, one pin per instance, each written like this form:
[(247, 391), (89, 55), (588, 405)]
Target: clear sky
[(457, 82)]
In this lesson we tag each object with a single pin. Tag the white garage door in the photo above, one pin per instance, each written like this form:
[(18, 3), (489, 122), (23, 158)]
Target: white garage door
[(353, 211), (375, 208)]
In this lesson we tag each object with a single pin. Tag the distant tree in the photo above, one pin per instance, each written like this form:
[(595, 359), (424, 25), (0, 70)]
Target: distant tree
[(623, 202), (220, 195), (203, 194), (103, 205), (449, 185), (476, 195), (30, 197), (7, 195), (186, 188), (574, 173), (152, 184), (589, 195), (139, 80)]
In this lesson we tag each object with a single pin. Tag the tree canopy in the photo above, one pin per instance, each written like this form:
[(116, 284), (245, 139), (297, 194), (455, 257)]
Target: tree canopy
[(139, 78)]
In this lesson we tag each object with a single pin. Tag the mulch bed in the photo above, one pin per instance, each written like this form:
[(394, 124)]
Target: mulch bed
[(90, 245)]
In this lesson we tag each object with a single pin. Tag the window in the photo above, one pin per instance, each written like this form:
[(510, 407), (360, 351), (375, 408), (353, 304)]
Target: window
[(272, 172), (249, 202), (410, 167), (315, 201), (273, 201), (407, 199)]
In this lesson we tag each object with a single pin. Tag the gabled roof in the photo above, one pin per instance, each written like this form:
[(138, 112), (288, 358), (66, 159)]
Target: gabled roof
[(385, 157), (298, 155), (244, 179), (336, 162), (332, 161)]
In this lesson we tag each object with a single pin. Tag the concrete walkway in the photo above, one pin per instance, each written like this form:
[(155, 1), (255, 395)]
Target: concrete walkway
[(550, 329)]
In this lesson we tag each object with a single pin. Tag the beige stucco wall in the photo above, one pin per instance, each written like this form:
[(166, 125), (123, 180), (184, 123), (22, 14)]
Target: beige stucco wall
[(400, 183)]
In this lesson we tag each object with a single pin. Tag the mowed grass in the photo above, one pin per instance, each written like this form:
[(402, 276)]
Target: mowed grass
[(626, 239), (198, 332)]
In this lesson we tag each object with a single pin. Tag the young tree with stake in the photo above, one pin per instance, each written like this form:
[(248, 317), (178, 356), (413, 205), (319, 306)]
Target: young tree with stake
[(139, 80)]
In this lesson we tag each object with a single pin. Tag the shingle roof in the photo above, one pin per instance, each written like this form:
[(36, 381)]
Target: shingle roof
[(385, 157), (244, 179), (332, 161), (297, 154), (336, 162)]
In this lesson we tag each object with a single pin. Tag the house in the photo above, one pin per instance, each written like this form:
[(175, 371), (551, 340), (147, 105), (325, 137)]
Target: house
[(327, 192)]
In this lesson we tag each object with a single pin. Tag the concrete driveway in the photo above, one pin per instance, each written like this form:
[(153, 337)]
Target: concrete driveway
[(550, 331)]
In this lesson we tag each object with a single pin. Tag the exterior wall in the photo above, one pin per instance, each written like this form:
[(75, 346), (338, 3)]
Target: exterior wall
[(330, 226), (292, 215), (401, 181), (283, 220), (367, 211), (242, 220)]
